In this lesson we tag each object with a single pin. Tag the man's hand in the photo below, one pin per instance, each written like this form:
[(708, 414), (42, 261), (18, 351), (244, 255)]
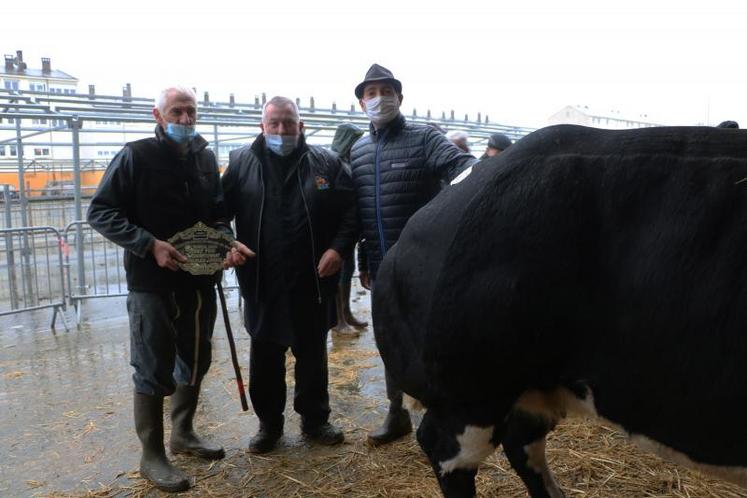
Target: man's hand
[(364, 277), (330, 263), (166, 255), (237, 255)]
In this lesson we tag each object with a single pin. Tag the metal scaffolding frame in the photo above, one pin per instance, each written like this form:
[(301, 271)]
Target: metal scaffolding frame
[(37, 119)]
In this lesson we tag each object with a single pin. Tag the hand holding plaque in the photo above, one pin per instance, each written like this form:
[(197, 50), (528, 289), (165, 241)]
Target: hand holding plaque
[(205, 248)]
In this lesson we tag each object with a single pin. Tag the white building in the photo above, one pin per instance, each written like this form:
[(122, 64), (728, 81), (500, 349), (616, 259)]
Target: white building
[(613, 120), (16, 75)]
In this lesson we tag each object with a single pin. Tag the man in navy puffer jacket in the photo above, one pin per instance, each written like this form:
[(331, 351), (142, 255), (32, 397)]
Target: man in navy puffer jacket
[(397, 168)]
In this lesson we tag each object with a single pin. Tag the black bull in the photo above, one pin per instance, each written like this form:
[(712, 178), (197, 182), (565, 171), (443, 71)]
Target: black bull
[(582, 270)]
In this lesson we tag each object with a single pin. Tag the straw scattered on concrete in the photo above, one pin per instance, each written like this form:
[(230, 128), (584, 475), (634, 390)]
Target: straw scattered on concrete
[(589, 460)]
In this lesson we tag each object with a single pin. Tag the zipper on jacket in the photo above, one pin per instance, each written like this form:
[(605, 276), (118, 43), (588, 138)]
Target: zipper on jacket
[(311, 231), (259, 233), (377, 167)]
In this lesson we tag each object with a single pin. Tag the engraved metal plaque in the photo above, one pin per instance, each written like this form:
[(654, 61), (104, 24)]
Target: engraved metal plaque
[(204, 247)]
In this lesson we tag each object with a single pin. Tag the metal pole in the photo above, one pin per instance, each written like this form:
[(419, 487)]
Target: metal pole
[(25, 249), (21, 174), (9, 249), (75, 125)]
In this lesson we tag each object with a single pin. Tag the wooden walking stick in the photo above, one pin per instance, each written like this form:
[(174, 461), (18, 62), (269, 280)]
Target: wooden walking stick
[(232, 346)]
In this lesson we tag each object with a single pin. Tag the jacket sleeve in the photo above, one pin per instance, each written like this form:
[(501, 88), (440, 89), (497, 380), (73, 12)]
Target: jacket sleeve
[(347, 231), (443, 157), (230, 185), (221, 219), (108, 211)]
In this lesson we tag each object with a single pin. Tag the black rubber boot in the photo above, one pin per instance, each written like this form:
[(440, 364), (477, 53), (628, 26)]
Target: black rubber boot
[(349, 318), (342, 326), (183, 437), (396, 425), (325, 434), (154, 465), (266, 438)]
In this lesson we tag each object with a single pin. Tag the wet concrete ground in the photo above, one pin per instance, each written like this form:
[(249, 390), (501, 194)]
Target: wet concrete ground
[(65, 398)]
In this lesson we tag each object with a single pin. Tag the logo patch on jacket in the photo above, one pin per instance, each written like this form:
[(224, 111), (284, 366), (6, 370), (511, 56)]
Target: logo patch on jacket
[(321, 183)]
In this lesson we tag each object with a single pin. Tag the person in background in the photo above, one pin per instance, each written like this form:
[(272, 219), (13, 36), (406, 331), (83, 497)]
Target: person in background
[(345, 136), (728, 124), (497, 143), (460, 139)]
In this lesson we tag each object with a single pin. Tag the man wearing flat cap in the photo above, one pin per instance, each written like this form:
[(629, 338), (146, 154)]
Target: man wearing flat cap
[(397, 168), (497, 143)]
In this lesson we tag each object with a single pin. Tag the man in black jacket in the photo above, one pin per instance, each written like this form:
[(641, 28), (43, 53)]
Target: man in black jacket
[(397, 168), (294, 205), (152, 189)]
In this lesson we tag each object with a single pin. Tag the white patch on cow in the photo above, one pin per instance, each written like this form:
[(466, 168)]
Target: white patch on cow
[(461, 176), (412, 404), (537, 461), (556, 404), (737, 475), (474, 447)]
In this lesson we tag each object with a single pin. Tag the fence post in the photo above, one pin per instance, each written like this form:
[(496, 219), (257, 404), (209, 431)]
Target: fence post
[(25, 249), (75, 125), (9, 249)]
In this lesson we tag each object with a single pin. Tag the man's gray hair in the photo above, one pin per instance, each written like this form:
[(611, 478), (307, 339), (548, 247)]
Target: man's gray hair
[(160, 102), (457, 136), (279, 101)]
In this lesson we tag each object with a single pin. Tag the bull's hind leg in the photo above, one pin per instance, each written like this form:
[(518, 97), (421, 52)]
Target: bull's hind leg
[(455, 450), (524, 445)]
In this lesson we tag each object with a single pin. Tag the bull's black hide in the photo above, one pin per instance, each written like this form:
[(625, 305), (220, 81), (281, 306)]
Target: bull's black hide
[(609, 263)]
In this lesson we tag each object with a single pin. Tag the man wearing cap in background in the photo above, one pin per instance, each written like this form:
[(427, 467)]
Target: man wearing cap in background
[(397, 168), (728, 124), (497, 143), (345, 136)]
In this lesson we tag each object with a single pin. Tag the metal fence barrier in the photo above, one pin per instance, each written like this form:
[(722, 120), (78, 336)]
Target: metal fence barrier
[(31, 271), (93, 265), (41, 267)]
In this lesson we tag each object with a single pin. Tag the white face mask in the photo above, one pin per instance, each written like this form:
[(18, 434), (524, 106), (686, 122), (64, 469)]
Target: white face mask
[(381, 110)]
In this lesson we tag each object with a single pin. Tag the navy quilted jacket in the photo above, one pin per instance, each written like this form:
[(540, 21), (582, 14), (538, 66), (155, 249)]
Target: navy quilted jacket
[(396, 171)]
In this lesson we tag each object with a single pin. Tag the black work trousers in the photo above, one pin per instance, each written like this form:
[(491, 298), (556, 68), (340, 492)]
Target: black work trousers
[(267, 388)]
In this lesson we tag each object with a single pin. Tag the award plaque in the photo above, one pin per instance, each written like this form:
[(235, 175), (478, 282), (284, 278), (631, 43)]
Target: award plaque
[(205, 248)]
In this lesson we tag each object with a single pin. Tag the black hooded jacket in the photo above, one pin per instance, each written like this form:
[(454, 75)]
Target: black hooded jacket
[(328, 199)]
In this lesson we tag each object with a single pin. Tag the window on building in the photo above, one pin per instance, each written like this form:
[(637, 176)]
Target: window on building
[(13, 151), (11, 84), (37, 87), (41, 151), (2, 150)]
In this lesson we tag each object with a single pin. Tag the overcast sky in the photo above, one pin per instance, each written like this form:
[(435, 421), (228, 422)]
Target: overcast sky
[(682, 62)]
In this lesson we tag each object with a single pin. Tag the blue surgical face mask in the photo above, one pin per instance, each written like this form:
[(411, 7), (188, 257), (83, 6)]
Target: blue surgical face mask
[(281, 145), (180, 134)]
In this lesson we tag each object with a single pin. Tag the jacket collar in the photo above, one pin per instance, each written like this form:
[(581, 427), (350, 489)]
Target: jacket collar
[(196, 145), (391, 128)]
